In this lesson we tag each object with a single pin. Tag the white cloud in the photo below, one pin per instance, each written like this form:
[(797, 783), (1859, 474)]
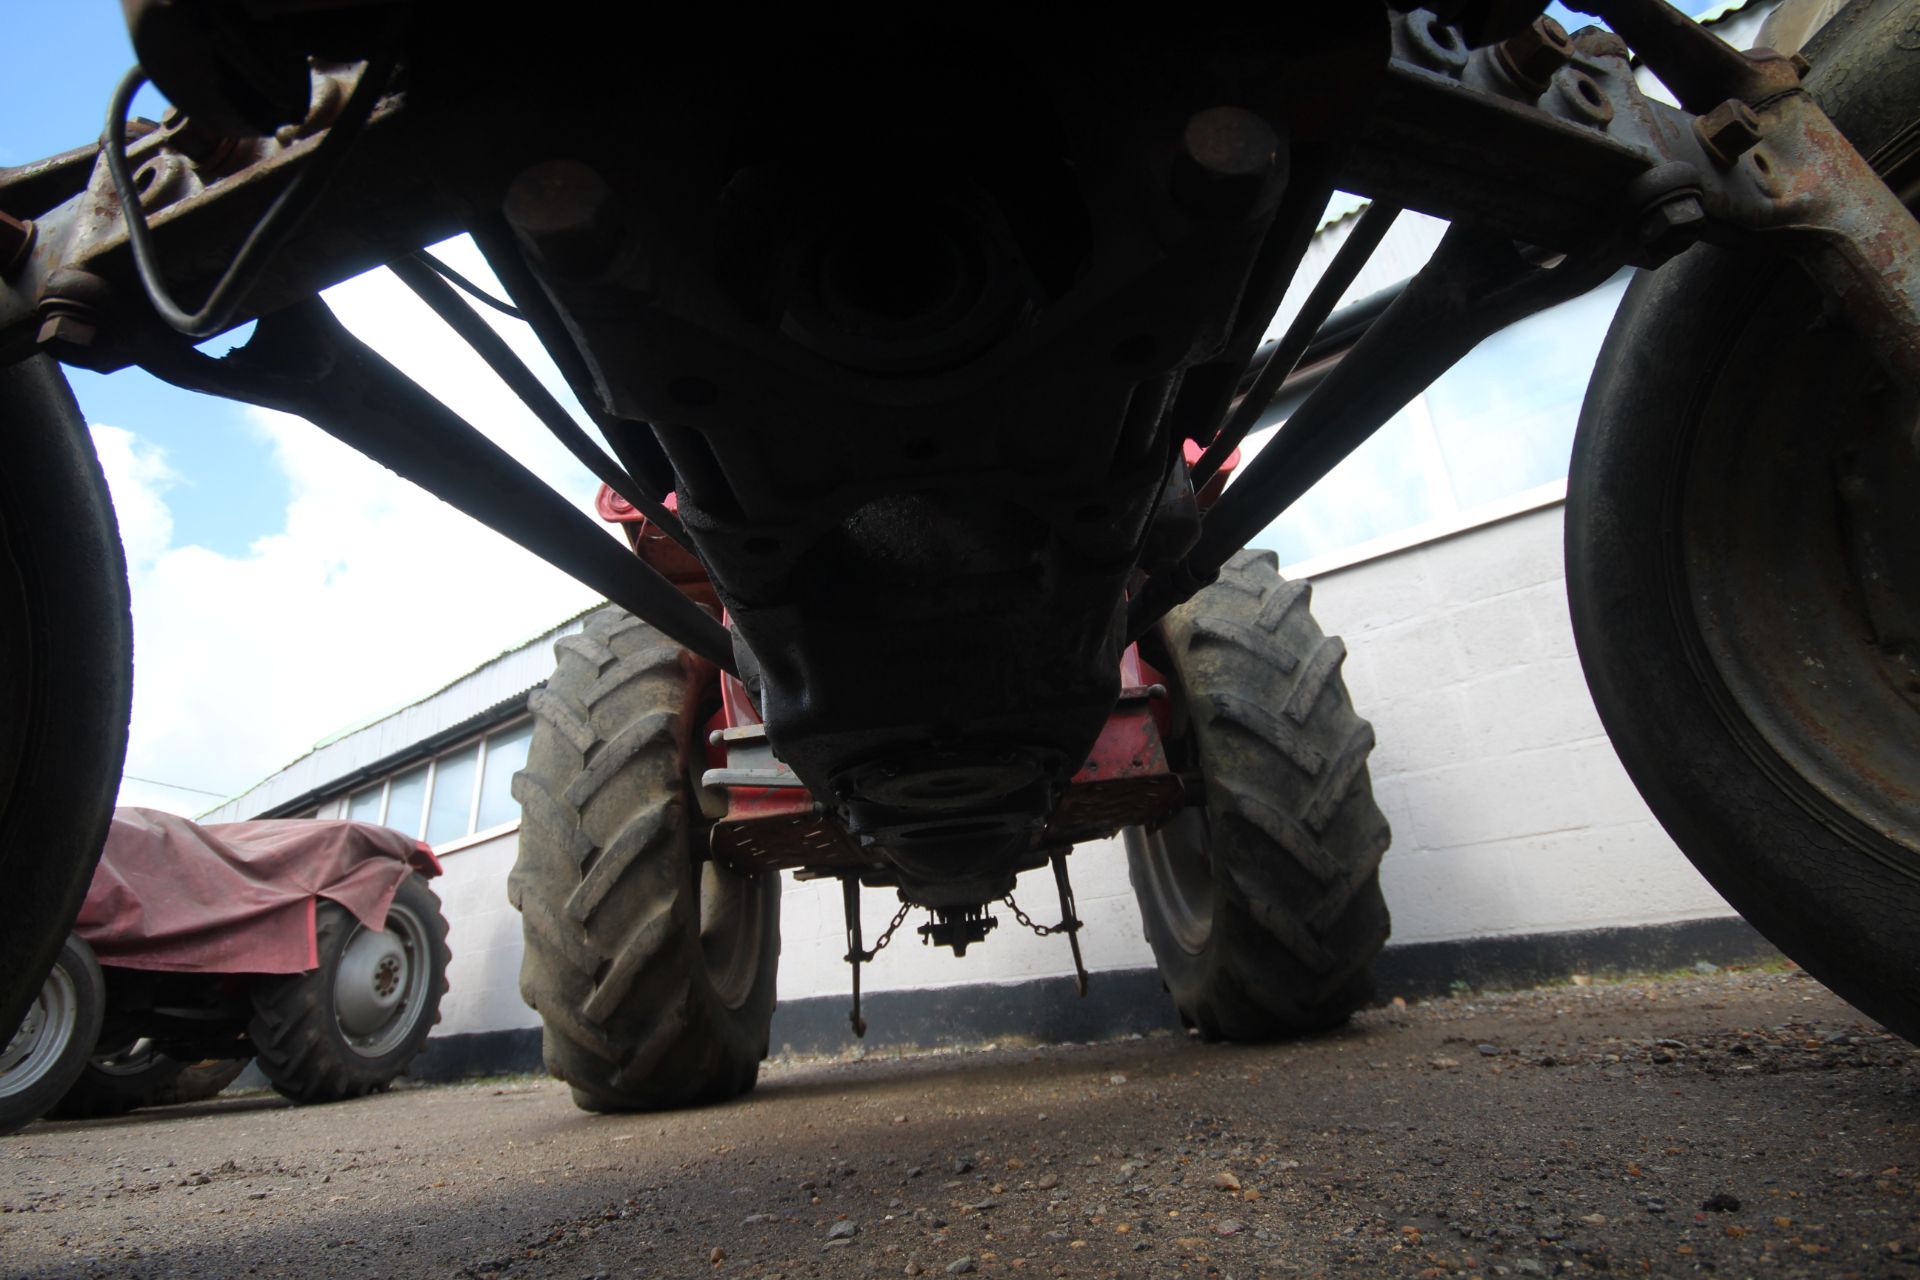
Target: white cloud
[(371, 594), (139, 476)]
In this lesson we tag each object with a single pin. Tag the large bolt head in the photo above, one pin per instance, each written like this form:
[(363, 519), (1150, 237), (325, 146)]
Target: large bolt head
[(1227, 158), (564, 212)]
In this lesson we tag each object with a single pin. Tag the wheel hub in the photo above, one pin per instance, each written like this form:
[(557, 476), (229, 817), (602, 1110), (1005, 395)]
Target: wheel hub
[(371, 982), (23, 1038), (34, 1050)]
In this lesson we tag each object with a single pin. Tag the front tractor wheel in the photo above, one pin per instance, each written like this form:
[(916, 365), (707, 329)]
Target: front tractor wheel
[(1743, 567), (652, 968), (1263, 906)]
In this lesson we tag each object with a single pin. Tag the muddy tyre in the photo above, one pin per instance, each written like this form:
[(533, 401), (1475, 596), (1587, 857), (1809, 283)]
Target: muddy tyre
[(652, 969), (49, 1049), (351, 1026), (114, 1083), (197, 1082), (1263, 905), (1743, 558)]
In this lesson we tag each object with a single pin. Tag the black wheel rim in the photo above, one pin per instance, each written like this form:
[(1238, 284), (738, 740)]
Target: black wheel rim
[(1798, 582), (1177, 863), (1177, 856)]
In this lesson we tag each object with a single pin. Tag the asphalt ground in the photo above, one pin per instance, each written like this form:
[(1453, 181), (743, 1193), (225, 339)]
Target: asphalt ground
[(1733, 1123)]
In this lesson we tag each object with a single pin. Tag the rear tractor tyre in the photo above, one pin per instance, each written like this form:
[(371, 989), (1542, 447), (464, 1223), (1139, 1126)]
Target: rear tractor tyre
[(1262, 906), (651, 967), (352, 1026)]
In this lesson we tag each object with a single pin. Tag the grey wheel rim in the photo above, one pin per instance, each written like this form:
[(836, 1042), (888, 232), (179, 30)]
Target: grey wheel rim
[(380, 983), (43, 1035)]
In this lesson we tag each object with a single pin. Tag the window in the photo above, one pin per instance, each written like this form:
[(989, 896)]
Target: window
[(452, 814), (405, 794), (506, 756), (456, 794)]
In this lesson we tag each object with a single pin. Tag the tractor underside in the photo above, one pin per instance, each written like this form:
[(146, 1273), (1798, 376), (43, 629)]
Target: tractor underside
[(937, 335)]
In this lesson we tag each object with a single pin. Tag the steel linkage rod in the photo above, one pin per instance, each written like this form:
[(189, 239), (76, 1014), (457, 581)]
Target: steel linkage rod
[(1476, 284), (1280, 363), (633, 443), (1206, 390), (471, 289), (302, 360), (428, 284)]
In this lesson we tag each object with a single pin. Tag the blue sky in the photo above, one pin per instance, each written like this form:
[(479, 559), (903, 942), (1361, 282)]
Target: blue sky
[(49, 104)]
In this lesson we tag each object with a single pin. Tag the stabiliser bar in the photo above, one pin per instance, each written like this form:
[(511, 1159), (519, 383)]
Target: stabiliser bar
[(427, 282), (1477, 283), (302, 360)]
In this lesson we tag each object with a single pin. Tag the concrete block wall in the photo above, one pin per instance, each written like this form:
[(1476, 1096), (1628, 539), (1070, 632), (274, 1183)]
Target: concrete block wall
[(1510, 813), (483, 932)]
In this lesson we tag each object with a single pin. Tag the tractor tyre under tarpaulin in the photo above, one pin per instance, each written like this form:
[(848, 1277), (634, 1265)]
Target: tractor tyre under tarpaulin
[(652, 968), (66, 672), (197, 1082), (1743, 565), (351, 1026), (1263, 905)]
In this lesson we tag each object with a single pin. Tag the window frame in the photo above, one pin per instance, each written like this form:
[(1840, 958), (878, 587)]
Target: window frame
[(343, 803)]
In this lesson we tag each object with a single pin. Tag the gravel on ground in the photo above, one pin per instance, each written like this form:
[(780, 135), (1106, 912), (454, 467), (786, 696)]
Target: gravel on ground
[(1733, 1123)]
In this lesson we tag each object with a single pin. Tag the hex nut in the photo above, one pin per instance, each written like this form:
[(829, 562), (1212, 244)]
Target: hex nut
[(1673, 224), (16, 239), (1728, 131), (1532, 56), (68, 329)]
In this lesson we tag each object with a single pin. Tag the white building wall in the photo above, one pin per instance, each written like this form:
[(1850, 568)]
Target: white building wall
[(483, 932)]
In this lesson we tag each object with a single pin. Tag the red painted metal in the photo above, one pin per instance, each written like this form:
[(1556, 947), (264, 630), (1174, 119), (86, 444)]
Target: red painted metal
[(1125, 781), (674, 562), (1216, 484)]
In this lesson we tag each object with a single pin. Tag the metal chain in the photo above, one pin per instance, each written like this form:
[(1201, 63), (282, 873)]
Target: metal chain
[(886, 937), (1042, 930)]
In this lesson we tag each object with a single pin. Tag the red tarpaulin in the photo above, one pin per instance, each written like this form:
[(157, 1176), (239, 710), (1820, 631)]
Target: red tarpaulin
[(236, 897)]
